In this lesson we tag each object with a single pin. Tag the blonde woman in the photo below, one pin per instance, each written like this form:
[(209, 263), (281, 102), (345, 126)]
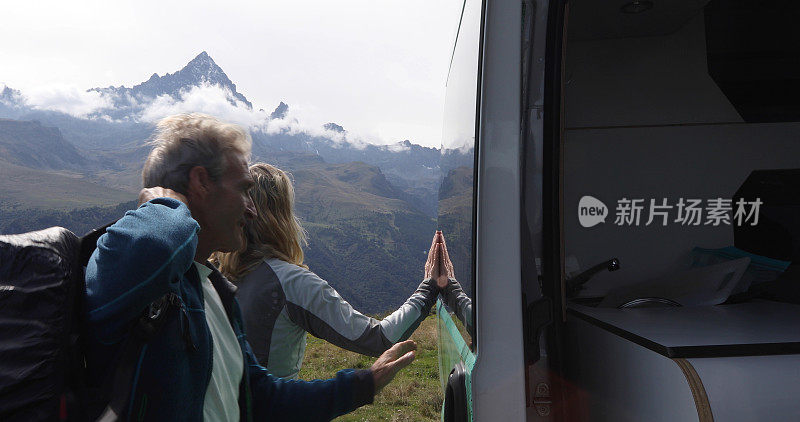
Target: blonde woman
[(281, 300)]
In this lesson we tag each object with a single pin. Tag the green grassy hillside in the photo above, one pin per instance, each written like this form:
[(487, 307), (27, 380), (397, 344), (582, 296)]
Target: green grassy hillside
[(79, 221), (365, 241), (32, 145), (414, 394), (27, 188)]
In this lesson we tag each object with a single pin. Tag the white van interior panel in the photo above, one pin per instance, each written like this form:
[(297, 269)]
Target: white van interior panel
[(647, 385), (764, 387), (650, 80), (644, 120), (703, 162)]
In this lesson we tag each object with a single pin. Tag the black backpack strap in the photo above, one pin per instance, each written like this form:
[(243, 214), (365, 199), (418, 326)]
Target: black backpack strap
[(120, 385), (121, 388), (89, 242)]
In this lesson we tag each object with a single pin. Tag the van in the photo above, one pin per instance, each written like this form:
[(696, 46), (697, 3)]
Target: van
[(676, 122)]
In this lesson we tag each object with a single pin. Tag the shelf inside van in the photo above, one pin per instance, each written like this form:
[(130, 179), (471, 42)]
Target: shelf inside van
[(746, 329)]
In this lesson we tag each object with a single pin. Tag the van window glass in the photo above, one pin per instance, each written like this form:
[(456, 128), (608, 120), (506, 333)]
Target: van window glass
[(456, 194)]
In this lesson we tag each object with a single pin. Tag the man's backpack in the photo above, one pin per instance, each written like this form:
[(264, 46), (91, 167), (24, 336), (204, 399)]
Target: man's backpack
[(42, 310)]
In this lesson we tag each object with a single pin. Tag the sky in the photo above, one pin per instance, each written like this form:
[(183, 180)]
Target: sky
[(376, 67)]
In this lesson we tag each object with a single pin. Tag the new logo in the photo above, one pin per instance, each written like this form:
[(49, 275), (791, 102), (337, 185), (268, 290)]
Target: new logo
[(591, 211)]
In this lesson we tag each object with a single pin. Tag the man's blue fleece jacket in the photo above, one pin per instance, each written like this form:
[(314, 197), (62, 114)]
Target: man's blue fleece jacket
[(148, 254)]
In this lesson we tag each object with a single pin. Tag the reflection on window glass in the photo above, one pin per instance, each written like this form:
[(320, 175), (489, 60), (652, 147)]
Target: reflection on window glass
[(456, 196)]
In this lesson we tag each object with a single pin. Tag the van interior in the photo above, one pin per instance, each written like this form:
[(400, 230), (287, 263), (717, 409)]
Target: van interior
[(679, 103), (668, 103)]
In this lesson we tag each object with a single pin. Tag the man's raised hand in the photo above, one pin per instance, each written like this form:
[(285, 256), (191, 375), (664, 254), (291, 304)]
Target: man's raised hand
[(391, 362), (147, 194)]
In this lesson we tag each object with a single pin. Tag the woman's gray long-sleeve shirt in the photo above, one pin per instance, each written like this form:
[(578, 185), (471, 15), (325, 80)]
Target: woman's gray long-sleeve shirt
[(280, 302)]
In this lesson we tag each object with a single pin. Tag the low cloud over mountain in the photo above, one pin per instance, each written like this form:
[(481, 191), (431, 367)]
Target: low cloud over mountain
[(200, 86), (103, 119), (213, 99), (200, 73)]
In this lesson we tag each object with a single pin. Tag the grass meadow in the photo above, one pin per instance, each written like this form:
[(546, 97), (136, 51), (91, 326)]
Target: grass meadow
[(414, 394)]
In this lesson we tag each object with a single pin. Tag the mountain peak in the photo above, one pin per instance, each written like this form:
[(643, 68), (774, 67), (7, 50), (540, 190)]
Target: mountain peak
[(280, 111), (204, 64), (204, 69), (10, 96), (199, 71)]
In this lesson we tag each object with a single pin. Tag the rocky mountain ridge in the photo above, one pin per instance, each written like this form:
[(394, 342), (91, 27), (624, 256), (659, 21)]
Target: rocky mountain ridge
[(110, 131), (202, 70)]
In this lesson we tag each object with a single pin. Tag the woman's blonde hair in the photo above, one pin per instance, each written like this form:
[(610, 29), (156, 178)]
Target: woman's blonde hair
[(274, 233)]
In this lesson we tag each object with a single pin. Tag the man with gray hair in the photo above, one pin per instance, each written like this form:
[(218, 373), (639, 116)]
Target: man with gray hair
[(198, 365)]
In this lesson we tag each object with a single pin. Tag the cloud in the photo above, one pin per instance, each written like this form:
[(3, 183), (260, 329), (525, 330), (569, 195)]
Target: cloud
[(294, 123), (290, 123), (67, 99), (398, 147), (216, 100), (206, 98)]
